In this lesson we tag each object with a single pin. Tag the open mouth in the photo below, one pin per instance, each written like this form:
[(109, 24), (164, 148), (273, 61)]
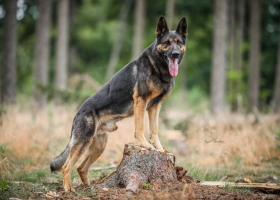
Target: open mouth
[(173, 65)]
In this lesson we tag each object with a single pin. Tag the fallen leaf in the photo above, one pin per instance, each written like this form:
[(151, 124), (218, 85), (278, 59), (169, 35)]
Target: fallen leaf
[(51, 194)]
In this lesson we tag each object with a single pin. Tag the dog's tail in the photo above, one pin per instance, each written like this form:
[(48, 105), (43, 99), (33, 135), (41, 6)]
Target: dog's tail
[(59, 161)]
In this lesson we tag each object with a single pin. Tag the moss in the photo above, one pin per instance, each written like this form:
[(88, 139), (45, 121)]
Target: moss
[(146, 186)]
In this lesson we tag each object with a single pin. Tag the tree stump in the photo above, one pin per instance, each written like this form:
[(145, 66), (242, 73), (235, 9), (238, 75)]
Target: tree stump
[(139, 166)]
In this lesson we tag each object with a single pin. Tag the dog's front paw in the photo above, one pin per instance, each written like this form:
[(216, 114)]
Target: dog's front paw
[(146, 145), (69, 189), (156, 143)]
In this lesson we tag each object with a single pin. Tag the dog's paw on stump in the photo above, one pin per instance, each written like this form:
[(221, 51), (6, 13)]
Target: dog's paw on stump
[(139, 166)]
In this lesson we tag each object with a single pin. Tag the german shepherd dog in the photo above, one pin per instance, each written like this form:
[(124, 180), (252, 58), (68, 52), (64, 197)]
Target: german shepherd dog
[(140, 86)]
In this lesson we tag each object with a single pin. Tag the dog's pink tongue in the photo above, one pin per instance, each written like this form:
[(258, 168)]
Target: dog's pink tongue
[(173, 66)]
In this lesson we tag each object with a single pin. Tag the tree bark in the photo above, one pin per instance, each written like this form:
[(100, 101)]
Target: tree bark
[(140, 166), (218, 76), (170, 6), (239, 53), (236, 40), (42, 49), (62, 45), (232, 49), (73, 47), (8, 80), (115, 54), (276, 94), (240, 34), (254, 56), (139, 24)]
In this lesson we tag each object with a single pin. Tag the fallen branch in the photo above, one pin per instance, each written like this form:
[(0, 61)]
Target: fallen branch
[(257, 186)]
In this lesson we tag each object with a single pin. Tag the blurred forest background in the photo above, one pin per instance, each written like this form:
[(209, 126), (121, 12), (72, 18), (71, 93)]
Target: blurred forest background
[(71, 48), (56, 53)]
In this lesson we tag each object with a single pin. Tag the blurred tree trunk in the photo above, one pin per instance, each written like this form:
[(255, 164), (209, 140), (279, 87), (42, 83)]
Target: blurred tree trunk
[(170, 6), (42, 49), (218, 76), (62, 45), (254, 56), (239, 53), (73, 48), (237, 11), (139, 19), (8, 79), (183, 78), (115, 54), (276, 95), (232, 49), (240, 34)]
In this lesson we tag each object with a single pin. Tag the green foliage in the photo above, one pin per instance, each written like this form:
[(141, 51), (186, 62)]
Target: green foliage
[(3, 150), (3, 185), (278, 134), (93, 33), (197, 99), (146, 186)]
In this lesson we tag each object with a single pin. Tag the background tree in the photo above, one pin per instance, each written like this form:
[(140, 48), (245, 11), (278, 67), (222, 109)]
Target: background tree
[(115, 54), (276, 96), (73, 47), (232, 49), (42, 49), (8, 79), (170, 5), (139, 28), (240, 34), (96, 25), (239, 55), (236, 14), (61, 69), (254, 56), (218, 76)]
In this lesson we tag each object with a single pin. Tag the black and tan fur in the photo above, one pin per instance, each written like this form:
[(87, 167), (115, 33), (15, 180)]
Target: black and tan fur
[(138, 87)]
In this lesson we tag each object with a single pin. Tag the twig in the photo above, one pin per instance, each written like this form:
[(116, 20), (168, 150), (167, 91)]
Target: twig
[(102, 168), (3, 160), (262, 186)]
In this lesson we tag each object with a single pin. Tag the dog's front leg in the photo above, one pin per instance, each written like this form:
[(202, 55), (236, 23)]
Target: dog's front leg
[(153, 126), (139, 116)]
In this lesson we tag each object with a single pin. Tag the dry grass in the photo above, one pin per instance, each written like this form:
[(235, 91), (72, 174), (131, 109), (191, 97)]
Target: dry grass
[(28, 135), (38, 137), (233, 139)]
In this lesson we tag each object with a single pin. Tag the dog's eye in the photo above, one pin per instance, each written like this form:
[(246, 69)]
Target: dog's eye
[(166, 43)]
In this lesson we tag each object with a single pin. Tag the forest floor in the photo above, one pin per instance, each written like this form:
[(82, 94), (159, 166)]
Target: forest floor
[(41, 184), (235, 148)]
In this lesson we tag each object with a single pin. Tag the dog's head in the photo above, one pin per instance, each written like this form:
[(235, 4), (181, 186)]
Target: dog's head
[(171, 44)]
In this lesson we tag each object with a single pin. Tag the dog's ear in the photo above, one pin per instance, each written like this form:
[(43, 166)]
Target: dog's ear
[(161, 27), (182, 27)]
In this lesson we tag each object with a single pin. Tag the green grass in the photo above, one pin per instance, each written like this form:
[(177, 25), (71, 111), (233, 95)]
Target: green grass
[(36, 183)]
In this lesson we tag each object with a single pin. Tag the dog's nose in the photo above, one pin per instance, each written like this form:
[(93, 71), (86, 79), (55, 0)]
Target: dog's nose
[(176, 53)]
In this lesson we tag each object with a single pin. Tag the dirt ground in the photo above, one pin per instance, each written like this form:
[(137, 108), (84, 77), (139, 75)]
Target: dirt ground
[(172, 191)]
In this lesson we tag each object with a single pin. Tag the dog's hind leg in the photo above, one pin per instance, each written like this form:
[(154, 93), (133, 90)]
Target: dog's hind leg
[(82, 136), (75, 154), (95, 149)]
